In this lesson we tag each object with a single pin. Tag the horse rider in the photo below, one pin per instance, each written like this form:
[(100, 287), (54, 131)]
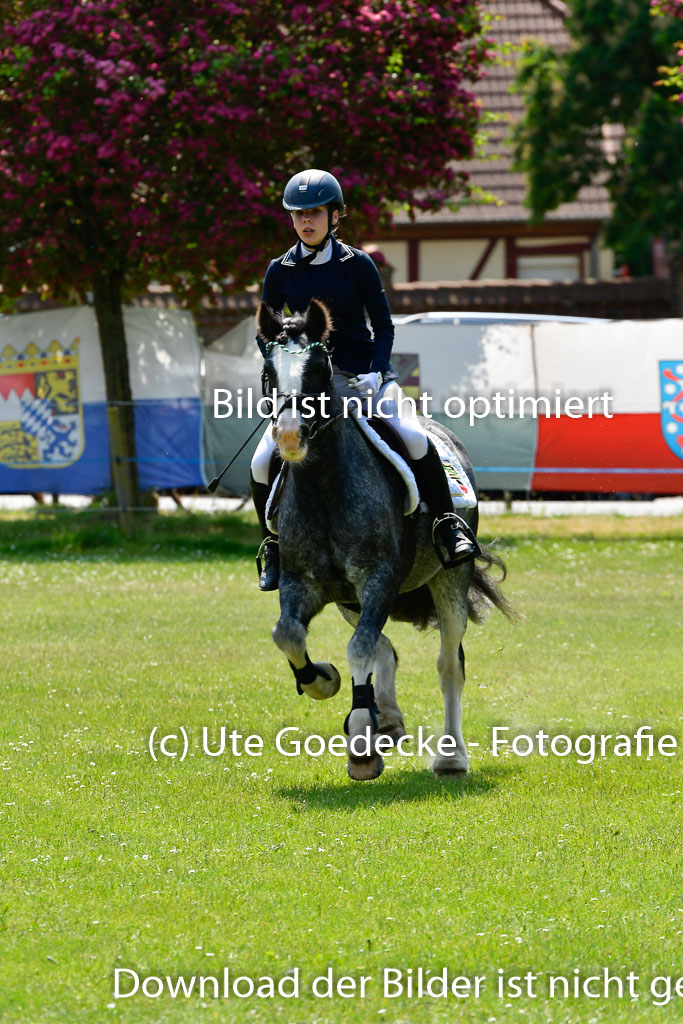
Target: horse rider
[(346, 280)]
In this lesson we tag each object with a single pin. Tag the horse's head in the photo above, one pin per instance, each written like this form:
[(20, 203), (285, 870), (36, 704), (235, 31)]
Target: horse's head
[(298, 367)]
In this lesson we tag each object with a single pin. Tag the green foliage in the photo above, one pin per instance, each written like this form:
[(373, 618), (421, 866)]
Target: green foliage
[(607, 78), (648, 195)]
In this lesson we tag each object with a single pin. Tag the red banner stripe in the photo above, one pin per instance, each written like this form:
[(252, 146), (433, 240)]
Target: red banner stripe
[(626, 441)]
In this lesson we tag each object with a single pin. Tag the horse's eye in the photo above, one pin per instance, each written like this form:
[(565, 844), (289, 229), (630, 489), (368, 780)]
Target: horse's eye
[(317, 377)]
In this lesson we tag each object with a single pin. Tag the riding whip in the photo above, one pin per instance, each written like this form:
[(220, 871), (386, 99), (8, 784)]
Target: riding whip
[(213, 486)]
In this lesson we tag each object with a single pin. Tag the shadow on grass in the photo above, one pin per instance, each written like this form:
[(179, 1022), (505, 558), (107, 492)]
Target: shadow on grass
[(411, 786), (61, 533)]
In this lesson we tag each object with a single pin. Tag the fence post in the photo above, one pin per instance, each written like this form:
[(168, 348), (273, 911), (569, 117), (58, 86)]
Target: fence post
[(121, 470)]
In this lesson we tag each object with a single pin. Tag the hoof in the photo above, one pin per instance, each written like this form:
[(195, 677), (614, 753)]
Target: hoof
[(394, 732), (363, 769), (450, 773), (323, 688), (450, 768)]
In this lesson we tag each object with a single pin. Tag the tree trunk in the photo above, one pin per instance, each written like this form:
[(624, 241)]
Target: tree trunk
[(120, 415)]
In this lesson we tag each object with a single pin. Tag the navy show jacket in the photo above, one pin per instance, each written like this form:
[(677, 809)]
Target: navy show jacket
[(349, 285)]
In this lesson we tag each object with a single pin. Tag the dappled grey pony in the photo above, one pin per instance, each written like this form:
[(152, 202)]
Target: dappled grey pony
[(344, 539)]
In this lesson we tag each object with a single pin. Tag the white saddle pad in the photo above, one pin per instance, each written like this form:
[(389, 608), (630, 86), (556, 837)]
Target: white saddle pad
[(461, 489)]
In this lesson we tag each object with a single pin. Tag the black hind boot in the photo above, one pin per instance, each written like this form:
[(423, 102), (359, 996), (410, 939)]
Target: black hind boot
[(269, 569), (454, 541)]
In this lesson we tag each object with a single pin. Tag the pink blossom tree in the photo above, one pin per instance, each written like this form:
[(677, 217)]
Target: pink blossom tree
[(142, 140)]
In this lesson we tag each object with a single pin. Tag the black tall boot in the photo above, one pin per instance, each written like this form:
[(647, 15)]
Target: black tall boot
[(269, 570), (454, 541)]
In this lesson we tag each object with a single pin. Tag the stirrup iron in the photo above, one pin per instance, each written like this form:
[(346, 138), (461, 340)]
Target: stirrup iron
[(470, 547), (263, 548)]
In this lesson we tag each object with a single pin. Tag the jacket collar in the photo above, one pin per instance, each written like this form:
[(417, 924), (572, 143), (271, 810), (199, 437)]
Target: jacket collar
[(340, 252)]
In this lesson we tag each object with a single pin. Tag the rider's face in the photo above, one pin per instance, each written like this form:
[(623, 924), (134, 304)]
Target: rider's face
[(311, 225)]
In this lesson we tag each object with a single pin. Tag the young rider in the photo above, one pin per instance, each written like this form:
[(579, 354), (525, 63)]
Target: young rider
[(346, 280)]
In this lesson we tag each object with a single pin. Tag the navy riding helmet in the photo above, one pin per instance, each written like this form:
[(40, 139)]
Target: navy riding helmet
[(312, 188)]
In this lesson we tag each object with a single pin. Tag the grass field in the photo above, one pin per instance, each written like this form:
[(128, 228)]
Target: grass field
[(265, 865)]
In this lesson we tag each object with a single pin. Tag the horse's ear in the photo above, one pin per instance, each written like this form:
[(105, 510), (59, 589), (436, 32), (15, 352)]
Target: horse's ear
[(318, 321), (268, 324)]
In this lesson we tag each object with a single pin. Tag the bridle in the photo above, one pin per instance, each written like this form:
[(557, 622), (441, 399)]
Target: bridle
[(318, 424)]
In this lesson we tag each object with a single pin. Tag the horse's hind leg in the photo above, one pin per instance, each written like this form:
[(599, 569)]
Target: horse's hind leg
[(391, 721), (298, 605), (449, 591)]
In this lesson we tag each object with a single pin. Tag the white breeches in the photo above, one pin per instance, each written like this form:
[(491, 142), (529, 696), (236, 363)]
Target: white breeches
[(395, 407)]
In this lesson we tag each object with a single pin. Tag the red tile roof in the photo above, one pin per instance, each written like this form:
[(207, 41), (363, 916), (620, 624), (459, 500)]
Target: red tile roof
[(514, 22)]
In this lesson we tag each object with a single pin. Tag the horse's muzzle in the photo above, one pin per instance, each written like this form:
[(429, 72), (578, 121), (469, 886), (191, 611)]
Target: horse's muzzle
[(291, 438)]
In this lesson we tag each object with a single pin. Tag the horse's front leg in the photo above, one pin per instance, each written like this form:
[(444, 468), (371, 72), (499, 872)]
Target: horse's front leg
[(391, 722), (299, 603), (362, 722)]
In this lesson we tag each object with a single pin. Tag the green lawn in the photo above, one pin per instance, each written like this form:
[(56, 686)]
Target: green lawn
[(269, 864)]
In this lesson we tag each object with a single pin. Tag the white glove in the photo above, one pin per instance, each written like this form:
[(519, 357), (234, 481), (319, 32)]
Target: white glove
[(365, 382)]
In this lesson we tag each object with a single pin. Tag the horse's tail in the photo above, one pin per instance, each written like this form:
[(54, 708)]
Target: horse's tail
[(484, 590), (417, 606)]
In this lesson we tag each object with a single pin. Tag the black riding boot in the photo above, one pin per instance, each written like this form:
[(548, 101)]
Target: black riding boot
[(449, 531), (269, 570)]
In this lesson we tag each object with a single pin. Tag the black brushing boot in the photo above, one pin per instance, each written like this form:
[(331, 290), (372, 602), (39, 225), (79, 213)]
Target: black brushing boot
[(449, 531), (269, 569)]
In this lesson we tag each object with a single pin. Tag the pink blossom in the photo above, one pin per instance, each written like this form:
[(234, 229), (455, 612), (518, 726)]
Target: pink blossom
[(182, 127)]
